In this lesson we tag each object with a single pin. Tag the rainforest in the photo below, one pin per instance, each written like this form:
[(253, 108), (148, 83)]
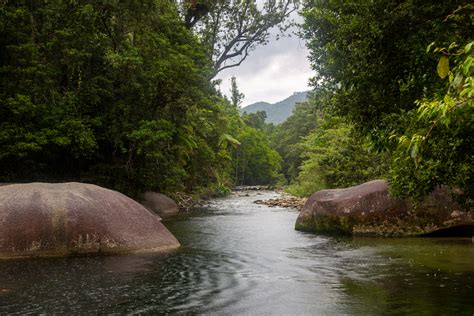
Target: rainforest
[(104, 102)]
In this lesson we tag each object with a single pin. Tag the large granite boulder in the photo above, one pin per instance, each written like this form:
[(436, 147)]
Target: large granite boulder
[(160, 204), (368, 209), (43, 219)]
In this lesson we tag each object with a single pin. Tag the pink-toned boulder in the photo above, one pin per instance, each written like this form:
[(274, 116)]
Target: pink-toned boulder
[(43, 219), (369, 209), (160, 204)]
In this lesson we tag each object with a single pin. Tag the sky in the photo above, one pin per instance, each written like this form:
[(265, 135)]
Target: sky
[(272, 72)]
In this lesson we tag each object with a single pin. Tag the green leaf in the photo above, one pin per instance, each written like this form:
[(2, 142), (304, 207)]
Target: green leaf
[(414, 151), (467, 48), (429, 47), (467, 65), (443, 67), (228, 138), (457, 81)]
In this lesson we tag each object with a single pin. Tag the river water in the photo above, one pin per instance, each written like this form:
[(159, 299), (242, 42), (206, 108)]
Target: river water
[(241, 258)]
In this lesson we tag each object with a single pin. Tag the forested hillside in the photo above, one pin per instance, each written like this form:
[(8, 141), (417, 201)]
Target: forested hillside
[(278, 112), (118, 94)]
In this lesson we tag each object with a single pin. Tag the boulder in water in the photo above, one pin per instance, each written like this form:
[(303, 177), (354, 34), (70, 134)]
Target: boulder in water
[(369, 209), (45, 219), (160, 204)]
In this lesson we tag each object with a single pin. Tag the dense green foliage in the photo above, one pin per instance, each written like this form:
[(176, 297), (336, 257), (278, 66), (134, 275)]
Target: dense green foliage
[(119, 94), (323, 151), (334, 156), (255, 161), (113, 93), (370, 57), (256, 120), (372, 53), (287, 135), (438, 144)]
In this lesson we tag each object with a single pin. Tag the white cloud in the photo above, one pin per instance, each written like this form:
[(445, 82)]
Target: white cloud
[(272, 72)]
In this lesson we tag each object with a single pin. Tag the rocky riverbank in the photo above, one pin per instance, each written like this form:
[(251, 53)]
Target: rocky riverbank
[(369, 210), (284, 201)]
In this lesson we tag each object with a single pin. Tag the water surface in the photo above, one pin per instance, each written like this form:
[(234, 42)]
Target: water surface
[(242, 258)]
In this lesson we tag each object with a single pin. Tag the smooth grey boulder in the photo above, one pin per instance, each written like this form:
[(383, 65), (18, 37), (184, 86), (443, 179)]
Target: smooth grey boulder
[(60, 219), (160, 204)]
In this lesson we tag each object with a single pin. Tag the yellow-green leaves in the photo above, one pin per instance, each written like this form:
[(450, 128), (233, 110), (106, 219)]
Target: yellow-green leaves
[(443, 67), (468, 47), (229, 139), (429, 47)]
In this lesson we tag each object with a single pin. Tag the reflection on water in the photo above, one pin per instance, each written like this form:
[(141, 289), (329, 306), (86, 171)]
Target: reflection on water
[(240, 258)]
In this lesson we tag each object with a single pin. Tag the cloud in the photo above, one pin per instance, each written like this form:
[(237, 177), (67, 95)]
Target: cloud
[(272, 72)]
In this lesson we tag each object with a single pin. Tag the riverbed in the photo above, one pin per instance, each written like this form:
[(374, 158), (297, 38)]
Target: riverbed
[(238, 257)]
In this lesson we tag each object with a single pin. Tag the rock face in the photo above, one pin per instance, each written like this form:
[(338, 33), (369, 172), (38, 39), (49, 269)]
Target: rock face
[(41, 219), (160, 204), (368, 209)]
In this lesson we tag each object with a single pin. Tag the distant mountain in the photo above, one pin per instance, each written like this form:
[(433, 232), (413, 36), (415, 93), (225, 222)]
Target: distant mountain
[(278, 112)]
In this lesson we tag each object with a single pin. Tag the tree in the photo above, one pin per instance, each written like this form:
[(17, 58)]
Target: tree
[(370, 54), (437, 146), (233, 28), (334, 156), (255, 120), (113, 93), (255, 161), (287, 135), (236, 97), (194, 12)]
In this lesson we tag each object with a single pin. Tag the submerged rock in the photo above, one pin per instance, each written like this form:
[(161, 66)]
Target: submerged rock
[(369, 209), (160, 204), (43, 219)]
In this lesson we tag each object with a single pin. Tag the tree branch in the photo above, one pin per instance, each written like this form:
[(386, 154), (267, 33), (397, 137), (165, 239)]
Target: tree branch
[(232, 65), (234, 27)]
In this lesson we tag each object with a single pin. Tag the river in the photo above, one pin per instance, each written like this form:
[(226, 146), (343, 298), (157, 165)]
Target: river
[(238, 257)]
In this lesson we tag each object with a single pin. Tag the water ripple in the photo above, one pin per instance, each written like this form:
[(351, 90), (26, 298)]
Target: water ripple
[(242, 258)]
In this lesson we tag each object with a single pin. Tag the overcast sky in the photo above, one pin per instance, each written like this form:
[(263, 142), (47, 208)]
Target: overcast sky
[(272, 72)]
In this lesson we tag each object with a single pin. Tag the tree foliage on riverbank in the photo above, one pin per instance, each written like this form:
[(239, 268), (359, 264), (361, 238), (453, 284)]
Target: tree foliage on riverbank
[(323, 151), (334, 155), (437, 145), (113, 93), (416, 107)]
